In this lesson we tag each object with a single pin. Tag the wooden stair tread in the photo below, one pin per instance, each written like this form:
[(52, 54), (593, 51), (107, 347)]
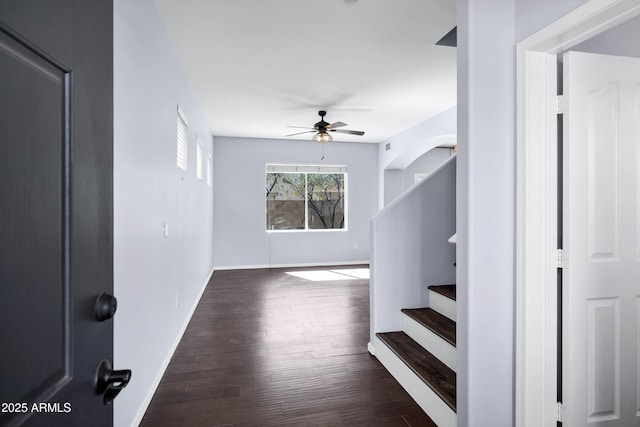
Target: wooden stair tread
[(440, 325), (435, 374), (448, 291)]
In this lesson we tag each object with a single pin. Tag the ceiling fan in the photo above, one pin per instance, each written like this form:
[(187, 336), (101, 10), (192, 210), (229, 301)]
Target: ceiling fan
[(322, 129)]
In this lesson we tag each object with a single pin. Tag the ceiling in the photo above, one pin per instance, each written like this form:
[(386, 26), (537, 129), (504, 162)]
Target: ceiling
[(257, 66)]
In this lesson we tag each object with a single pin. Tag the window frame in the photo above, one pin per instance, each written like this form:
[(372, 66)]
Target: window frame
[(209, 169), (199, 159), (307, 169)]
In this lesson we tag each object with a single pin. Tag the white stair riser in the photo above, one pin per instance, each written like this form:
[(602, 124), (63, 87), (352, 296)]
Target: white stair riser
[(430, 341), (443, 305), (426, 398)]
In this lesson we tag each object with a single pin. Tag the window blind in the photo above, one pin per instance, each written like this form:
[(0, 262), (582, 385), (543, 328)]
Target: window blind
[(182, 140), (309, 168)]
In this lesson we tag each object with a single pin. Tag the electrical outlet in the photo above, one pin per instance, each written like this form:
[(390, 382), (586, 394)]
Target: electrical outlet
[(165, 229), (178, 301), (355, 246)]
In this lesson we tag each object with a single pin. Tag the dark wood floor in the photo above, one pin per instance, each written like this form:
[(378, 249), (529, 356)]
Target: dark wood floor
[(265, 348)]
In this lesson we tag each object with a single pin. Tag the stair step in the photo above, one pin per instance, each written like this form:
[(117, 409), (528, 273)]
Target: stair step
[(442, 298), (435, 374), (440, 325), (433, 331), (448, 291)]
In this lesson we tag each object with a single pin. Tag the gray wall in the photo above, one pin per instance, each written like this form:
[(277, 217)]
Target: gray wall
[(487, 33), (427, 163), (410, 249), (531, 16), (411, 143), (157, 280), (622, 40), (398, 181), (239, 181), (393, 185)]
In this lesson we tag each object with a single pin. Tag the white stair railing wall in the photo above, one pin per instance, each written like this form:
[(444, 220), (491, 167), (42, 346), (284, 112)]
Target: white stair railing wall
[(410, 249)]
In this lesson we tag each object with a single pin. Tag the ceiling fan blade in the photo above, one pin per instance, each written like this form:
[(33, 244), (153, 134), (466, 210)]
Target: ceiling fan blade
[(300, 133), (350, 132), (301, 127), (337, 125)]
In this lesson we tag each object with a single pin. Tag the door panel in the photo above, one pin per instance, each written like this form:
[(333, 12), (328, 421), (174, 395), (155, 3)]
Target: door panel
[(603, 167), (35, 221), (601, 200), (56, 61), (603, 348)]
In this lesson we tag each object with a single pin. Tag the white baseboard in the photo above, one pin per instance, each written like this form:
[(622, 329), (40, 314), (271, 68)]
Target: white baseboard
[(156, 382), (371, 349), (293, 265)]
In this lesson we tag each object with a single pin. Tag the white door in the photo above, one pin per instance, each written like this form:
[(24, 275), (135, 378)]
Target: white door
[(601, 238)]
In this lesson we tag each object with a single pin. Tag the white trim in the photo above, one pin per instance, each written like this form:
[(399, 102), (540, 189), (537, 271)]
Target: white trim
[(308, 230), (182, 115), (425, 397), (209, 169), (443, 305), (430, 341), (291, 265), (536, 207), (156, 382), (199, 159), (304, 168), (536, 326), (371, 349)]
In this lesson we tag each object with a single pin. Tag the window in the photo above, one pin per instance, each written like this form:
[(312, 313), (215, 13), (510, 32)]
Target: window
[(199, 159), (209, 170), (183, 124), (306, 197)]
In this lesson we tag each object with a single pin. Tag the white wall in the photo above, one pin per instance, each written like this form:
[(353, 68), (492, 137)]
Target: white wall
[(157, 280), (239, 181), (487, 33)]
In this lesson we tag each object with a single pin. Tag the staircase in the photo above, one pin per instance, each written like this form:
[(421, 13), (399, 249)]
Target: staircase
[(422, 357)]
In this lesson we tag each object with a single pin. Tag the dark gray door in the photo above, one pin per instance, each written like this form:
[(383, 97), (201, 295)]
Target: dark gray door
[(56, 221)]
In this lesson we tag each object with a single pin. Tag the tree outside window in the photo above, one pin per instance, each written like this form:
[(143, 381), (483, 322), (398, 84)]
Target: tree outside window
[(305, 201)]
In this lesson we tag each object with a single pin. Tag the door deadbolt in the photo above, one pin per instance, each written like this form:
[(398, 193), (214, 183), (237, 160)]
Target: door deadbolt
[(106, 306)]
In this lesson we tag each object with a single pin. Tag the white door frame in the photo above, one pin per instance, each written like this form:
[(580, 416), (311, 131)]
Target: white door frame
[(536, 198)]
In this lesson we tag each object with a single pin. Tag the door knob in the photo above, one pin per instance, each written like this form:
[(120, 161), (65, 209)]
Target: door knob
[(106, 306), (109, 382)]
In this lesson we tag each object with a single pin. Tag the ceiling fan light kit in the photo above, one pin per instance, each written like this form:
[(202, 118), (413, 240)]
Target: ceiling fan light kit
[(323, 128), (322, 138)]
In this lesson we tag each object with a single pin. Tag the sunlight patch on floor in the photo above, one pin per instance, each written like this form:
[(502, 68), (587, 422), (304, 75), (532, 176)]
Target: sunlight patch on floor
[(358, 273), (328, 275)]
